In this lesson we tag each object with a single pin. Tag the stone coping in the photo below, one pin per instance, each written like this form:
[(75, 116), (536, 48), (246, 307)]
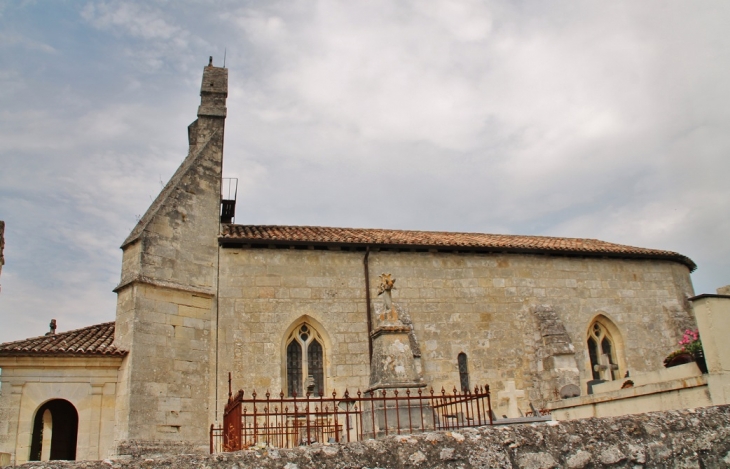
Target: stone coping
[(653, 388), (684, 371), (708, 295)]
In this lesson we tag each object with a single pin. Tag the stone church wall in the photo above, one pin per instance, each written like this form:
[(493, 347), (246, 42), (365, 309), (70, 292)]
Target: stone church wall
[(480, 304)]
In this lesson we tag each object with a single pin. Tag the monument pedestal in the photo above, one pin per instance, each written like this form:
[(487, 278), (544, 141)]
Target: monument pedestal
[(393, 414), (393, 365)]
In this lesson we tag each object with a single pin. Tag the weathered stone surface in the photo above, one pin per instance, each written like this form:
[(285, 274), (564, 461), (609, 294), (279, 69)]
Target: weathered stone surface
[(478, 304), (393, 363), (579, 460), (557, 368), (536, 461), (691, 438), (569, 390), (611, 455)]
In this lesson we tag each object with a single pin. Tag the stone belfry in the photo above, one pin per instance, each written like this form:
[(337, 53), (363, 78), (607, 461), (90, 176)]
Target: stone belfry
[(165, 302)]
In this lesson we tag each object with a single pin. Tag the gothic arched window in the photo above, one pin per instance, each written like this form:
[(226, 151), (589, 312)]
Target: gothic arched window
[(463, 372), (602, 352), (304, 359)]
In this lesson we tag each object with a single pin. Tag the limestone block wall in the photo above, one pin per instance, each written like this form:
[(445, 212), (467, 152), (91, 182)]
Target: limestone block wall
[(262, 295), (479, 304), (89, 383), (165, 395)]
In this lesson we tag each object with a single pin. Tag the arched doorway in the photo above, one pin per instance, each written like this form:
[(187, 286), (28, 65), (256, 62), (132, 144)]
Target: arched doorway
[(60, 418)]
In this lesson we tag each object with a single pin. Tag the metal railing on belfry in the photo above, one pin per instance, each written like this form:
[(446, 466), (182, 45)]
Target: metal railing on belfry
[(288, 421)]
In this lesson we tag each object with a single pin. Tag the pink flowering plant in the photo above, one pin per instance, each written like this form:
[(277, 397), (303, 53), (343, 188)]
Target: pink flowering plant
[(690, 343)]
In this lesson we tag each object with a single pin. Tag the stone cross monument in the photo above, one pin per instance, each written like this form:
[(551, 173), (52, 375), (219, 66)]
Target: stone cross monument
[(393, 364)]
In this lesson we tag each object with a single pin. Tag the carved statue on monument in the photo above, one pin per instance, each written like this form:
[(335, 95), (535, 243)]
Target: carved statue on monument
[(387, 284)]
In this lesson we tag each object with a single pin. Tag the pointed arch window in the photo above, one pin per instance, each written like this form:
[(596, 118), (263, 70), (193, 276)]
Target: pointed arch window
[(304, 360), (602, 352)]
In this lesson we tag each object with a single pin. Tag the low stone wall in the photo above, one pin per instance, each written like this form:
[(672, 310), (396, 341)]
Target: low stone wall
[(687, 438)]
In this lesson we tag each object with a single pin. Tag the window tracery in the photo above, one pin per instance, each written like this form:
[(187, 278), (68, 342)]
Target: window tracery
[(602, 351), (304, 360)]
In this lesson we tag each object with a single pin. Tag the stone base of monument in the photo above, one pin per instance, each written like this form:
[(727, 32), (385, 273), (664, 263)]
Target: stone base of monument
[(393, 364), (391, 416)]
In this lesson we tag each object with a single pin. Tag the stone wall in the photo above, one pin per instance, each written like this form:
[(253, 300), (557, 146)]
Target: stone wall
[(685, 439), (165, 307), (479, 304)]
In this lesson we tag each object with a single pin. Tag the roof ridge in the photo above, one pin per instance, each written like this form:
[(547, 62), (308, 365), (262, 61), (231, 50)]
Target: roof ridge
[(97, 339), (467, 233), (44, 336), (408, 231)]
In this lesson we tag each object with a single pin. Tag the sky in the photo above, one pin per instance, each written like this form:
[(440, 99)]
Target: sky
[(605, 120)]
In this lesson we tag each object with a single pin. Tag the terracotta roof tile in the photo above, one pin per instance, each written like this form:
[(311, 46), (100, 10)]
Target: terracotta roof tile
[(92, 340), (274, 234)]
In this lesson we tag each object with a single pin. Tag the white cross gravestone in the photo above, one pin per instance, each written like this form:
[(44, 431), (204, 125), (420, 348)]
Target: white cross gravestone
[(605, 368), (512, 393)]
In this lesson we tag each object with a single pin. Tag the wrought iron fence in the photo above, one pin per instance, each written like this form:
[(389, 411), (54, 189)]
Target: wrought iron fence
[(216, 439), (285, 422)]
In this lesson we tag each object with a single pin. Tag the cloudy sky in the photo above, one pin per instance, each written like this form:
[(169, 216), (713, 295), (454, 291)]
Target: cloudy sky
[(604, 120)]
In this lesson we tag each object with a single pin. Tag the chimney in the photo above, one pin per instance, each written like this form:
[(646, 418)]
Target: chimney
[(213, 91)]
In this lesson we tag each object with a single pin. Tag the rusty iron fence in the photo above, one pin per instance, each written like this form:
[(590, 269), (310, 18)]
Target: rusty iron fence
[(285, 422), (216, 439)]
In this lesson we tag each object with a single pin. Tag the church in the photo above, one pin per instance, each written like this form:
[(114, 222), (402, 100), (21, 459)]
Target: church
[(297, 308)]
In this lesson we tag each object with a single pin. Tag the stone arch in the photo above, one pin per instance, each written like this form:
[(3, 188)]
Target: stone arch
[(61, 419), (604, 341), (305, 351)]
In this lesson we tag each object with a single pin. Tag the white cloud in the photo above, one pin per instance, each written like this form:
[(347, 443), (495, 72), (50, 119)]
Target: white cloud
[(138, 20)]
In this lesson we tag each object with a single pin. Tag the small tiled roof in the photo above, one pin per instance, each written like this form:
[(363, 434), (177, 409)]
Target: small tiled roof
[(92, 340), (262, 234)]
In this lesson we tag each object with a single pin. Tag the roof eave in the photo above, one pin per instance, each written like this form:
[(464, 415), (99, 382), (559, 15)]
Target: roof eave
[(9, 354), (227, 241)]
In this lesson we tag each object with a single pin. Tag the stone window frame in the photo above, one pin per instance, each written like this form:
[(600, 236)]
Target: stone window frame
[(612, 332), (315, 332)]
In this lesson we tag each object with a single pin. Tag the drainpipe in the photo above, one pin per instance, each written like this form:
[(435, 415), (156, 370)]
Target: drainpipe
[(367, 298)]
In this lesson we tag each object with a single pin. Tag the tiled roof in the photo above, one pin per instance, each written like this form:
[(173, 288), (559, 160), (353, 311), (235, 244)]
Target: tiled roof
[(92, 340), (262, 234)]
